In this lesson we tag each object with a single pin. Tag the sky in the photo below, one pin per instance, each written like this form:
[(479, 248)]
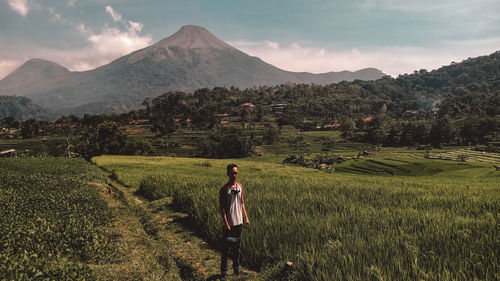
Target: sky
[(395, 36)]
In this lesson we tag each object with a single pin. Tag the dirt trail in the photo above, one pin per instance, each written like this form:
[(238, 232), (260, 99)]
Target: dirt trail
[(154, 241)]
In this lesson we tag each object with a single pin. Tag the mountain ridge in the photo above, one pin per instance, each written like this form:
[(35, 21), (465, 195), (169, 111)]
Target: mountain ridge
[(190, 59)]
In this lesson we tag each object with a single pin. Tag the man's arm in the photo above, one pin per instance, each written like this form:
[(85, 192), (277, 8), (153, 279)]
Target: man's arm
[(243, 210), (247, 221), (224, 218), (222, 204)]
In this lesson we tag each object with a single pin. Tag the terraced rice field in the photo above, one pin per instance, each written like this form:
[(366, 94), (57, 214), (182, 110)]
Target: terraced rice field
[(428, 220), (472, 156)]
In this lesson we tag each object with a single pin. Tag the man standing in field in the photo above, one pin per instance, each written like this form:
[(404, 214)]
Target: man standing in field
[(233, 211)]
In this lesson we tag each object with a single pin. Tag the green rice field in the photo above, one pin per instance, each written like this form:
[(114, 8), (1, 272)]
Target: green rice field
[(384, 217)]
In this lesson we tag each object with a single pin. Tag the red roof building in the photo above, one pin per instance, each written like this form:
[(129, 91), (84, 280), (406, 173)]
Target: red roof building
[(139, 122), (333, 125), (249, 105)]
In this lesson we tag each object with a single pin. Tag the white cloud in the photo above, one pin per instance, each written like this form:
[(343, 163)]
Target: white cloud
[(112, 43), (114, 14), (82, 29), (108, 44), (105, 46), (71, 3), (102, 47), (135, 26), (19, 6), (391, 60), (56, 17), (272, 45), (7, 66)]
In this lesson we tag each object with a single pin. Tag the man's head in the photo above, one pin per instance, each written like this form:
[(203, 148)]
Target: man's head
[(232, 171)]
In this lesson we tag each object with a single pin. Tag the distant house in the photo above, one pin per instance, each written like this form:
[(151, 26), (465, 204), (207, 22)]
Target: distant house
[(222, 115), (224, 123), (367, 153), (248, 105), (369, 118), (139, 122), (332, 126), (8, 153), (277, 107), (414, 113), (62, 125), (411, 112)]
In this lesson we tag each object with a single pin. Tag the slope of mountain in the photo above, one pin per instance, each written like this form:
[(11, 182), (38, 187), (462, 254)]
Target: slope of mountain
[(192, 58), (36, 75), (22, 108)]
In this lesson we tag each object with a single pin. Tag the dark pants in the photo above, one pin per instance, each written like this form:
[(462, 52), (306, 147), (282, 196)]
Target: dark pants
[(231, 242)]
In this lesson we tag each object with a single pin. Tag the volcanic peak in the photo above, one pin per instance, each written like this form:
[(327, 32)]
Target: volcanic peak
[(193, 37)]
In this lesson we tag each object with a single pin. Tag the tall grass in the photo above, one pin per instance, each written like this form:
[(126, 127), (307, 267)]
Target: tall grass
[(343, 226)]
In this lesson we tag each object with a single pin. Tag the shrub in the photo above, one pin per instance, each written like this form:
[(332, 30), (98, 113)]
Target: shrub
[(50, 218), (225, 142), (462, 157)]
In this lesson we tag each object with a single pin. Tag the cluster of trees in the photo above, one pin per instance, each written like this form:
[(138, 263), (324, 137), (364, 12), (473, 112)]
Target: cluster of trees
[(436, 131), (92, 138), (29, 128), (222, 142), (65, 125), (106, 138), (235, 142)]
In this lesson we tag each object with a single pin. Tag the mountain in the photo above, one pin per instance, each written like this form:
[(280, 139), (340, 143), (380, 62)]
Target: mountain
[(36, 75), (22, 108), (190, 59)]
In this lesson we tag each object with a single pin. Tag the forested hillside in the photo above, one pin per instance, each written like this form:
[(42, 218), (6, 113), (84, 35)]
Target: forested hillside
[(459, 103), (22, 108), (471, 87)]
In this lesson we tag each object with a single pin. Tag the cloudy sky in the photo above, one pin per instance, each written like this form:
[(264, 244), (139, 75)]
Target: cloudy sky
[(396, 36)]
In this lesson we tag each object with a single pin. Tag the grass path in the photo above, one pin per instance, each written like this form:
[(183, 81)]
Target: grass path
[(154, 242)]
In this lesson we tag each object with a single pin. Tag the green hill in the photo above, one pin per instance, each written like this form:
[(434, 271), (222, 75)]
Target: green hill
[(22, 108)]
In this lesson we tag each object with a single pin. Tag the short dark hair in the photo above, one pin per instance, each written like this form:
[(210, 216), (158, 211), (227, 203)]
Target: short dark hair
[(231, 166)]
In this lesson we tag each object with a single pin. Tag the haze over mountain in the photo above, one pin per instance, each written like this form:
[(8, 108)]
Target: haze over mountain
[(22, 108), (191, 58)]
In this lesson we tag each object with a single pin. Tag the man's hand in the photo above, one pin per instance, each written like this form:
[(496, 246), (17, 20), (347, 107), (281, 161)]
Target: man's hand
[(247, 222), (228, 227)]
